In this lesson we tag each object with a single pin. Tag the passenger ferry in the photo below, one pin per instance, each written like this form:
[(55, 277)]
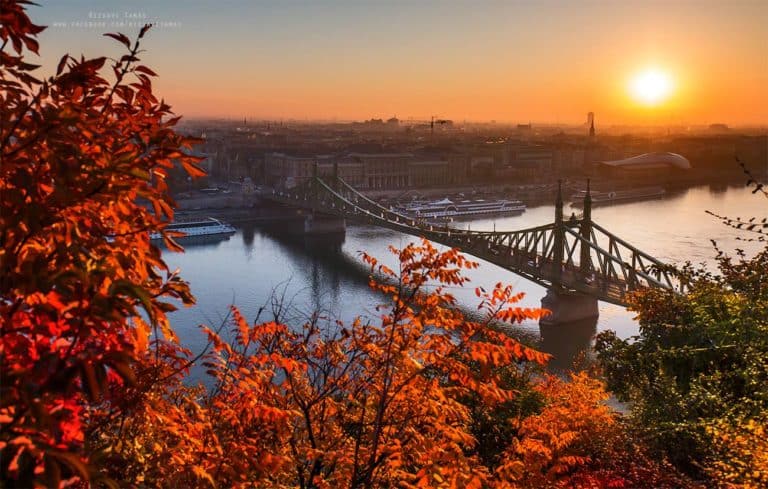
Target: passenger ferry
[(447, 209), (201, 227), (618, 196)]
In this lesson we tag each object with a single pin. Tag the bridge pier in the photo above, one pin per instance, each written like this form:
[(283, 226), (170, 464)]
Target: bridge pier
[(567, 347), (314, 224), (568, 307)]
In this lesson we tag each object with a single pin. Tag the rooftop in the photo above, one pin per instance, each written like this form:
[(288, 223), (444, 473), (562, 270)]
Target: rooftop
[(656, 159)]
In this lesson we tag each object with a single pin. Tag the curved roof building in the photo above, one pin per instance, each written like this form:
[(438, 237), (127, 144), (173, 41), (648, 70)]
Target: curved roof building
[(651, 161)]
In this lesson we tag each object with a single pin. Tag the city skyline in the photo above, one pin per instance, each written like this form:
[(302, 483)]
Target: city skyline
[(511, 62)]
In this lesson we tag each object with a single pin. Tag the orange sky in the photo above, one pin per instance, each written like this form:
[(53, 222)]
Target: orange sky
[(548, 61)]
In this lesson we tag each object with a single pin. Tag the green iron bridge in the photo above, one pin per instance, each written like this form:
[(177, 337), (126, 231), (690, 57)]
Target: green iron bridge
[(574, 255)]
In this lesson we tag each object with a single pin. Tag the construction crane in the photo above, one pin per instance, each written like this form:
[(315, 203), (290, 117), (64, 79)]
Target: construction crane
[(431, 122), (437, 121)]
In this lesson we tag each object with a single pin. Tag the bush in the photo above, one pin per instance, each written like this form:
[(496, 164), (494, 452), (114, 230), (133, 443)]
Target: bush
[(698, 368)]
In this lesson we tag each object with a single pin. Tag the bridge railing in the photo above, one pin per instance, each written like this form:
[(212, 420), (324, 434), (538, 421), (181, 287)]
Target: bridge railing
[(532, 250), (636, 259), (617, 261)]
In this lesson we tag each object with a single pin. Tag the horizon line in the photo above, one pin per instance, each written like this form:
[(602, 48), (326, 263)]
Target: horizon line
[(340, 120)]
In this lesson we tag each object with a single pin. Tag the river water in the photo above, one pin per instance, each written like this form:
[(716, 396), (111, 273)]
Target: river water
[(328, 275)]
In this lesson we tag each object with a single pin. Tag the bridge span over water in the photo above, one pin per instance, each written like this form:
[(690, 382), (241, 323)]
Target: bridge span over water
[(572, 257)]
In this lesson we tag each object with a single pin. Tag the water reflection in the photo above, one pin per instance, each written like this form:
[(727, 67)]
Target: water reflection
[(327, 273), (569, 344), (718, 190), (249, 233), (205, 241), (325, 268)]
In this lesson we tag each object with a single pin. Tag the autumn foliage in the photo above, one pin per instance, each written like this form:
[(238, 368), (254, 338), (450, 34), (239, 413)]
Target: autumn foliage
[(365, 404), (77, 155), (96, 389)]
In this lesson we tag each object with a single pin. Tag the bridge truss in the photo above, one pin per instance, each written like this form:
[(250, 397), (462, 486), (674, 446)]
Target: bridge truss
[(575, 255)]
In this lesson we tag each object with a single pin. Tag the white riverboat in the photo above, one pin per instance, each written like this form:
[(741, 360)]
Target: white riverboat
[(198, 227), (598, 198), (448, 209)]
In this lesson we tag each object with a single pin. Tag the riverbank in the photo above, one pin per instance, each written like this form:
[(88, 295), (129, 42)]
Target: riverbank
[(236, 206)]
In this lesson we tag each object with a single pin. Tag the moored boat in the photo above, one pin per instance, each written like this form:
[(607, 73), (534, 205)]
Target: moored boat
[(198, 227), (447, 209), (618, 195)]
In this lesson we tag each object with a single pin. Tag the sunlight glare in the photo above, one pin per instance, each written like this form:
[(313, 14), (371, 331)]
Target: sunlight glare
[(651, 86)]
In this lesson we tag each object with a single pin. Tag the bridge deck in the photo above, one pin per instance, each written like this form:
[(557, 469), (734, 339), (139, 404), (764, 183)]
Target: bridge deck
[(577, 255)]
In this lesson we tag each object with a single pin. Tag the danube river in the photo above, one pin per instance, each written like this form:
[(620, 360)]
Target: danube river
[(254, 265)]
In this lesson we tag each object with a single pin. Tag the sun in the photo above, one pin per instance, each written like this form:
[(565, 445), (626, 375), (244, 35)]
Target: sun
[(651, 86)]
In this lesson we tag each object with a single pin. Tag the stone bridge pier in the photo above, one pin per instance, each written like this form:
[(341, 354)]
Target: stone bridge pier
[(321, 224), (568, 307)]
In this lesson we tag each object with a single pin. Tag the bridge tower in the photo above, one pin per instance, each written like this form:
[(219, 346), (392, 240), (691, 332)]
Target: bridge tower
[(559, 236), (315, 188), (316, 222), (567, 306), (585, 262)]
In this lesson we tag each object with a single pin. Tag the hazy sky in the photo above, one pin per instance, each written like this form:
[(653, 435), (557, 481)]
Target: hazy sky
[(541, 61)]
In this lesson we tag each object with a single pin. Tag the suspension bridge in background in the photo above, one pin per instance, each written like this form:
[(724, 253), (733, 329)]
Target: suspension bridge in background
[(574, 257)]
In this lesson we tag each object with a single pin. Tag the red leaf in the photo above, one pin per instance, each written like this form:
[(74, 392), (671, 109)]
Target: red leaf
[(120, 37), (144, 69), (144, 30), (193, 170), (31, 44), (63, 62)]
